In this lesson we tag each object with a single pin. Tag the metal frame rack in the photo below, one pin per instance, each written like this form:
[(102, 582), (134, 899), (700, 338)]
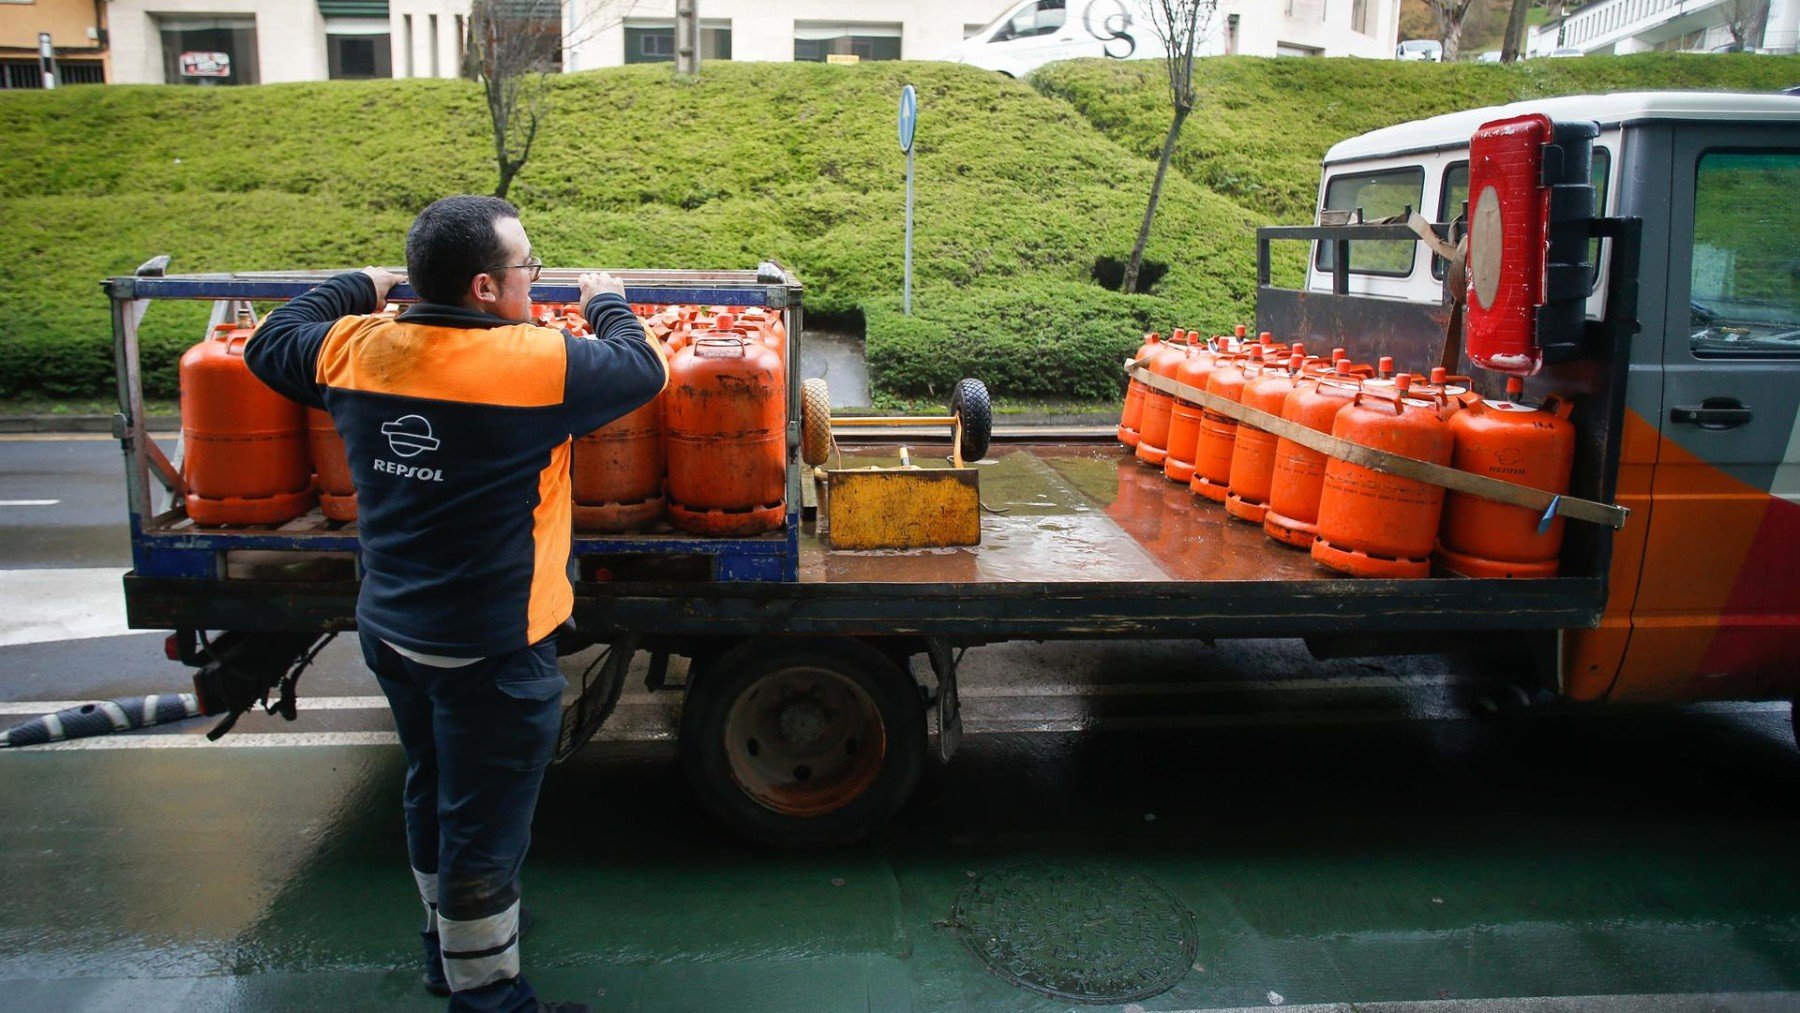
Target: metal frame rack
[(166, 544)]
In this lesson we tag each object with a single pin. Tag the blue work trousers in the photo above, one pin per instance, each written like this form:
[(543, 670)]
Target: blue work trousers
[(477, 739)]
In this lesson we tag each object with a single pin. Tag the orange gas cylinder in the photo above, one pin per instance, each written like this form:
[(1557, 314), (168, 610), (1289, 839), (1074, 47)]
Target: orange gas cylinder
[(1293, 514), (1153, 428), (1133, 413), (1519, 443), (1373, 524), (725, 413), (1184, 416), (1218, 432), (1253, 456), (1212, 452), (617, 474), (331, 466), (243, 445), (1458, 392)]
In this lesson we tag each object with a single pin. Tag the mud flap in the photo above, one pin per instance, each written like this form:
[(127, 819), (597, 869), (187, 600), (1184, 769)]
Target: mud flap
[(949, 708), (597, 694)]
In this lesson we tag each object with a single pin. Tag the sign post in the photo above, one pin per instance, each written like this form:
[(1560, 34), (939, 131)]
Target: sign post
[(909, 118), (46, 60)]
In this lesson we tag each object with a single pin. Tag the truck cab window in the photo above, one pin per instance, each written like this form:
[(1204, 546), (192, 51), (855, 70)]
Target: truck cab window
[(1378, 194), (1744, 280), (1455, 194)]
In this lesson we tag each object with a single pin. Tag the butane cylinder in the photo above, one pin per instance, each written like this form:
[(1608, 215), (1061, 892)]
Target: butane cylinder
[(725, 412), (1376, 524), (1184, 416), (1218, 431), (244, 457), (1153, 430), (1132, 415), (617, 473), (331, 466), (1253, 456), (1293, 514), (1517, 442)]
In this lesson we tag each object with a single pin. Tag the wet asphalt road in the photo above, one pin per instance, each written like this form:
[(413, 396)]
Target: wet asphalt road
[(1341, 832)]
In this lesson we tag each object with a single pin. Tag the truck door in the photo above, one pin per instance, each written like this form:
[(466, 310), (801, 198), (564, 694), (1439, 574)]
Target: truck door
[(1717, 612)]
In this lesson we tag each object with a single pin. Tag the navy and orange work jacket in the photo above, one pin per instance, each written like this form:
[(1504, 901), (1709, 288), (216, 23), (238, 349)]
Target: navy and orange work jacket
[(458, 427)]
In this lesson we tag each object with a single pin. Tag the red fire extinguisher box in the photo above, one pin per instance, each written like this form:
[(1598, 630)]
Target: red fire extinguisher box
[(1531, 199)]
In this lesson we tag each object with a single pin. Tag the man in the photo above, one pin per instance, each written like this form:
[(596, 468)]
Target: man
[(458, 417)]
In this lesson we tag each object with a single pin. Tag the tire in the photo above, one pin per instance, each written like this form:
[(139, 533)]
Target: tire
[(815, 421), (970, 400), (851, 711)]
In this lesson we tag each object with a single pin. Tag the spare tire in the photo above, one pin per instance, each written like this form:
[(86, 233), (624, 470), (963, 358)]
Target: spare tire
[(815, 421), (970, 400)]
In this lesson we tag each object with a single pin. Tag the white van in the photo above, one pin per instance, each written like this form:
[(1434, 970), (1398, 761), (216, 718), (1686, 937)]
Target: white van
[(1031, 33), (1430, 50)]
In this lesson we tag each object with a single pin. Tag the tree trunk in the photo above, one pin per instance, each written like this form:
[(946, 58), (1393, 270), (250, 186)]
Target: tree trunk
[(1129, 284), (1514, 46), (1452, 38), (507, 171)]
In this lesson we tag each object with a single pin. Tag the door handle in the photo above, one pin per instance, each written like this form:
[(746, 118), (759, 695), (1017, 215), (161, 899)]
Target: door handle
[(1712, 413)]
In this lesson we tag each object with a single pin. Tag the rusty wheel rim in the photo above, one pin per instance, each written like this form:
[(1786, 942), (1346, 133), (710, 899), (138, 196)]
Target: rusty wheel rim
[(804, 741)]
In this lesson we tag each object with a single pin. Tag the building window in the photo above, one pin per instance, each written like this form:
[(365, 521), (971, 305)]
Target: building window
[(209, 51), (358, 48), (1362, 17), (815, 40), (25, 73), (654, 41), (1289, 49), (406, 42), (431, 39)]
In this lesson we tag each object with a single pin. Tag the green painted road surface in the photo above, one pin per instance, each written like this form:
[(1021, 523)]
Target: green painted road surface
[(1325, 860)]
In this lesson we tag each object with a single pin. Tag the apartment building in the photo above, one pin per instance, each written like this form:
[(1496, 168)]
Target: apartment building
[(214, 42), (1636, 26), (77, 37)]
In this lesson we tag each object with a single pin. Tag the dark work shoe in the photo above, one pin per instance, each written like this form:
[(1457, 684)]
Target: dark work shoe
[(435, 982)]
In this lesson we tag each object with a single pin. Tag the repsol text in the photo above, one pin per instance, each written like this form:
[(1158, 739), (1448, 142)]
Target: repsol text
[(409, 471)]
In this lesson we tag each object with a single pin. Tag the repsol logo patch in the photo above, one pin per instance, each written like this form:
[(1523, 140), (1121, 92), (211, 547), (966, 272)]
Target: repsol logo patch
[(409, 471)]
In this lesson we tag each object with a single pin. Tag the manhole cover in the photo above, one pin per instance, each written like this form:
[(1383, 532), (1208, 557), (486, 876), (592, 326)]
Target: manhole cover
[(1077, 930)]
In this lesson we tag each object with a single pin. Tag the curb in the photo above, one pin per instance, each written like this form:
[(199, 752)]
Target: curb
[(80, 423)]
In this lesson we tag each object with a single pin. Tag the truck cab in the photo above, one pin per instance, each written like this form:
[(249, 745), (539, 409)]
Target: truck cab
[(1704, 584)]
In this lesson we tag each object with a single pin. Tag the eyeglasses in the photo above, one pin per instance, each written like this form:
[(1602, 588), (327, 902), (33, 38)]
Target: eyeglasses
[(532, 264)]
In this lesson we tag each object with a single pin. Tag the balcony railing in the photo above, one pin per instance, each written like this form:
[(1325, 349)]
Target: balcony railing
[(1609, 20)]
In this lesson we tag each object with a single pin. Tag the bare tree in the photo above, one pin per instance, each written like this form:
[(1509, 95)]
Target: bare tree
[(1746, 21), (1450, 15), (1514, 44), (1181, 25), (514, 47)]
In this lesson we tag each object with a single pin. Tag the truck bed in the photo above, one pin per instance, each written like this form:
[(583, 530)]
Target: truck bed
[(1081, 540)]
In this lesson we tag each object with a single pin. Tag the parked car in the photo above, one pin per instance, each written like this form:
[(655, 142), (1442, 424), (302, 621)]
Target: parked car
[(1420, 49), (1032, 33), (1491, 56)]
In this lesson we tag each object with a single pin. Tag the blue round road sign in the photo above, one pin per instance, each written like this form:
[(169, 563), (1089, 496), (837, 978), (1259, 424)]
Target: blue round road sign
[(909, 116)]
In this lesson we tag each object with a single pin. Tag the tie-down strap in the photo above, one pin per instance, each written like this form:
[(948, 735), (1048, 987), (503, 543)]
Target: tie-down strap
[(1498, 490)]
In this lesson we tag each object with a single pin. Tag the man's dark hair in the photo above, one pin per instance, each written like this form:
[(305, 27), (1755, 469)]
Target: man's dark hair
[(451, 242)]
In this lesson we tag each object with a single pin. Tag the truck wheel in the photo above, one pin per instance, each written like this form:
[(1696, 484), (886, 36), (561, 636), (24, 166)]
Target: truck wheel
[(803, 743), (970, 400)]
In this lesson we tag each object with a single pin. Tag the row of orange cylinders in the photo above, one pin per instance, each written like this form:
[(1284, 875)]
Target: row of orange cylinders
[(709, 451), (1353, 519)]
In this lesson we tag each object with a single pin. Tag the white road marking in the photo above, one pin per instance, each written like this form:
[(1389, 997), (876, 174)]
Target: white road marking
[(307, 703), (29, 502), (45, 606), (236, 740)]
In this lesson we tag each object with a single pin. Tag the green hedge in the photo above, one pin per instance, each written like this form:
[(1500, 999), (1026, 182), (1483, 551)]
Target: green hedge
[(1019, 192), (1048, 339), (633, 169)]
